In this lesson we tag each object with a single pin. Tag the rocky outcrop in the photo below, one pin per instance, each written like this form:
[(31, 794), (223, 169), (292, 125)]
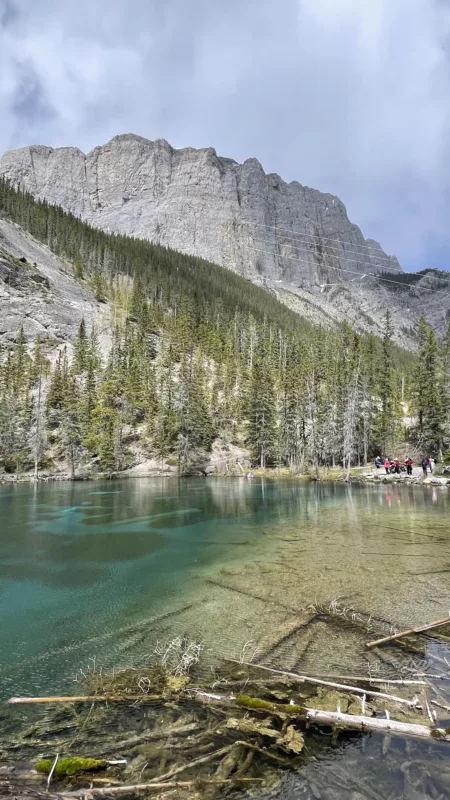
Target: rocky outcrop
[(38, 291), (199, 203)]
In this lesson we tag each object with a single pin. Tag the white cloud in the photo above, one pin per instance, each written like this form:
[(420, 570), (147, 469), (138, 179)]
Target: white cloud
[(349, 96)]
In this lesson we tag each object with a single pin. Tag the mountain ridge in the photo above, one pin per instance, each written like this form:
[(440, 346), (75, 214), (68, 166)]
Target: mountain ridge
[(293, 240), (130, 169)]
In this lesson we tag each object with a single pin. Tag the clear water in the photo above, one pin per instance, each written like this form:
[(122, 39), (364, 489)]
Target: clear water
[(90, 570), (104, 571)]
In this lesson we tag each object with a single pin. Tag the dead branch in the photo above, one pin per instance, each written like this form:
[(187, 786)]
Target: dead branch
[(341, 686), (363, 723), (147, 787), (100, 698), (367, 679), (153, 736), (418, 629), (265, 753), (248, 594)]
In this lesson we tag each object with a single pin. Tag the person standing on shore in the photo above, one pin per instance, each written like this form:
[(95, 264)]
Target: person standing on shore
[(387, 465), (431, 465), (425, 465), (409, 465)]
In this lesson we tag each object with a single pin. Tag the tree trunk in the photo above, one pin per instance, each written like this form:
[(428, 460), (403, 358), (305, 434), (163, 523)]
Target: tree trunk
[(349, 459), (37, 451)]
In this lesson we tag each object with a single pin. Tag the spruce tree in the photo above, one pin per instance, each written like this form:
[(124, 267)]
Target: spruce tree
[(80, 355), (429, 392), (261, 433)]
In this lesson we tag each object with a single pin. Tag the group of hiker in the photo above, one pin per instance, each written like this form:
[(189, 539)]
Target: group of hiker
[(394, 466)]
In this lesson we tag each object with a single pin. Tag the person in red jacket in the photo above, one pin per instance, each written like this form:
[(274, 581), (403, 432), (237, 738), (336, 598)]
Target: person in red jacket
[(387, 465), (409, 465)]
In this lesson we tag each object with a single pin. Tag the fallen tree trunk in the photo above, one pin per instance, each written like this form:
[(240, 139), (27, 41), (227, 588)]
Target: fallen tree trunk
[(418, 629), (284, 631), (249, 594), (356, 722), (343, 687)]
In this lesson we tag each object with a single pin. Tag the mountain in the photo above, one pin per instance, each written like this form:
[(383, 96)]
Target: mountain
[(295, 241), (197, 202)]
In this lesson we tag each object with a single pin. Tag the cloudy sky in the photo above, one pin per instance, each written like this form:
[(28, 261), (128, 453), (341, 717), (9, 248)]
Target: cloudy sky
[(347, 96)]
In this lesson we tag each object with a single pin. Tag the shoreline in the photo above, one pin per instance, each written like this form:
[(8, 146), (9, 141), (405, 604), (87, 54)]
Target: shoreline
[(272, 474)]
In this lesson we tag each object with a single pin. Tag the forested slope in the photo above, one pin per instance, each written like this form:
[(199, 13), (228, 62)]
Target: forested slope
[(197, 354)]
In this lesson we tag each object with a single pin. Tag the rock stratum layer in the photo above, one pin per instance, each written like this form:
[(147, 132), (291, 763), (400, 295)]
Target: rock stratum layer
[(296, 241)]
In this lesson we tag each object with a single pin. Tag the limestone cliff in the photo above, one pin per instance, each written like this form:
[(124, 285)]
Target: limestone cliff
[(295, 241), (196, 202)]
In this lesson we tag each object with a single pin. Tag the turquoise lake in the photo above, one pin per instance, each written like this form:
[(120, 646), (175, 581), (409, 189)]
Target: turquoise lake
[(105, 570)]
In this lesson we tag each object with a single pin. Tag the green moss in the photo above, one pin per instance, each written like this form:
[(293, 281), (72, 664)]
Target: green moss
[(69, 766), (256, 704), (437, 733)]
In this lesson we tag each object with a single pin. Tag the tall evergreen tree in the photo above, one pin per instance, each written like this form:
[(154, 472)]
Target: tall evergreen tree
[(261, 435), (429, 392)]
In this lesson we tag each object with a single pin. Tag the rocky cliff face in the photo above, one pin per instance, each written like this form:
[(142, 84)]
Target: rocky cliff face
[(196, 202), (295, 241)]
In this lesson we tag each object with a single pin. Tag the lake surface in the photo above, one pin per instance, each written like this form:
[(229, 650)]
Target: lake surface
[(104, 570)]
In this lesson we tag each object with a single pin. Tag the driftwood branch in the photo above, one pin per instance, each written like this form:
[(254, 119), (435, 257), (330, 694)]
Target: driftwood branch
[(353, 721), (418, 629), (367, 679), (343, 687), (82, 699)]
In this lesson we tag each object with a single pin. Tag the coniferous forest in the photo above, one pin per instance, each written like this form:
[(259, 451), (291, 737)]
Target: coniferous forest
[(199, 354)]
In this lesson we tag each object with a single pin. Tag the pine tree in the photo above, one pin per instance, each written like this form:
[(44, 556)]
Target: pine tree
[(195, 433), (386, 417), (38, 371), (292, 411), (261, 436), (429, 392), (81, 350), (78, 268)]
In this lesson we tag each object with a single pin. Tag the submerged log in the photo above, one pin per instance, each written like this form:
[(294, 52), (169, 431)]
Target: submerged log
[(283, 632), (248, 594), (197, 762), (155, 787), (418, 629)]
